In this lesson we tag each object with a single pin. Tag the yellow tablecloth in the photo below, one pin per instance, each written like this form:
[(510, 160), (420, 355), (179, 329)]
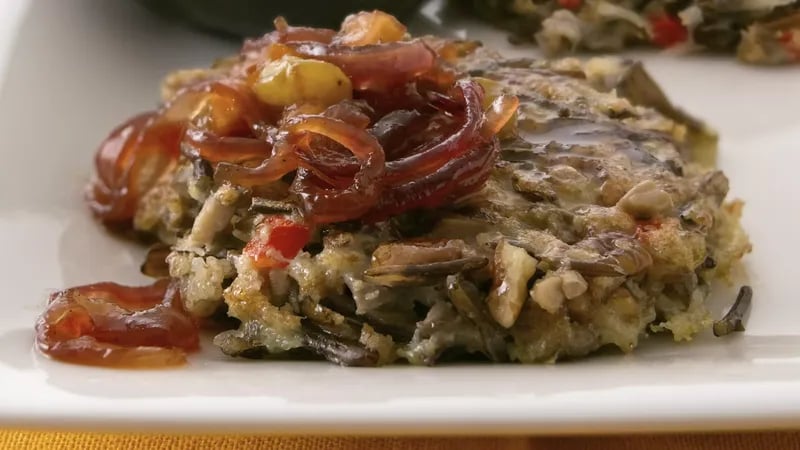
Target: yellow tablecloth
[(748, 441)]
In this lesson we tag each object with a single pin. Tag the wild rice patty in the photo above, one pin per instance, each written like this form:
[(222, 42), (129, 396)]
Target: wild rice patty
[(601, 222)]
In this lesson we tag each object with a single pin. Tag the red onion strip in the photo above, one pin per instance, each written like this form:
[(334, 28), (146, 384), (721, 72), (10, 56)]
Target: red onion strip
[(325, 205), (215, 149), (427, 160), (458, 177), (106, 324)]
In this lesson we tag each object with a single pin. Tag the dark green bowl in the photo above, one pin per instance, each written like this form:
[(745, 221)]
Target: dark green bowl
[(245, 18)]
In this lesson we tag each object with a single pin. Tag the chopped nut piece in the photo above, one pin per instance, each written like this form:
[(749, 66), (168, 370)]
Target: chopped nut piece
[(548, 293), (513, 267), (573, 284), (645, 200)]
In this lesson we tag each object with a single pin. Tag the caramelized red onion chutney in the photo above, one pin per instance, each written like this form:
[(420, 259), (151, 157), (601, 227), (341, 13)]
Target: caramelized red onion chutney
[(351, 160)]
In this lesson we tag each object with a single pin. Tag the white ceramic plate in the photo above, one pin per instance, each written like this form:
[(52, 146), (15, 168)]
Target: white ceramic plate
[(72, 70)]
